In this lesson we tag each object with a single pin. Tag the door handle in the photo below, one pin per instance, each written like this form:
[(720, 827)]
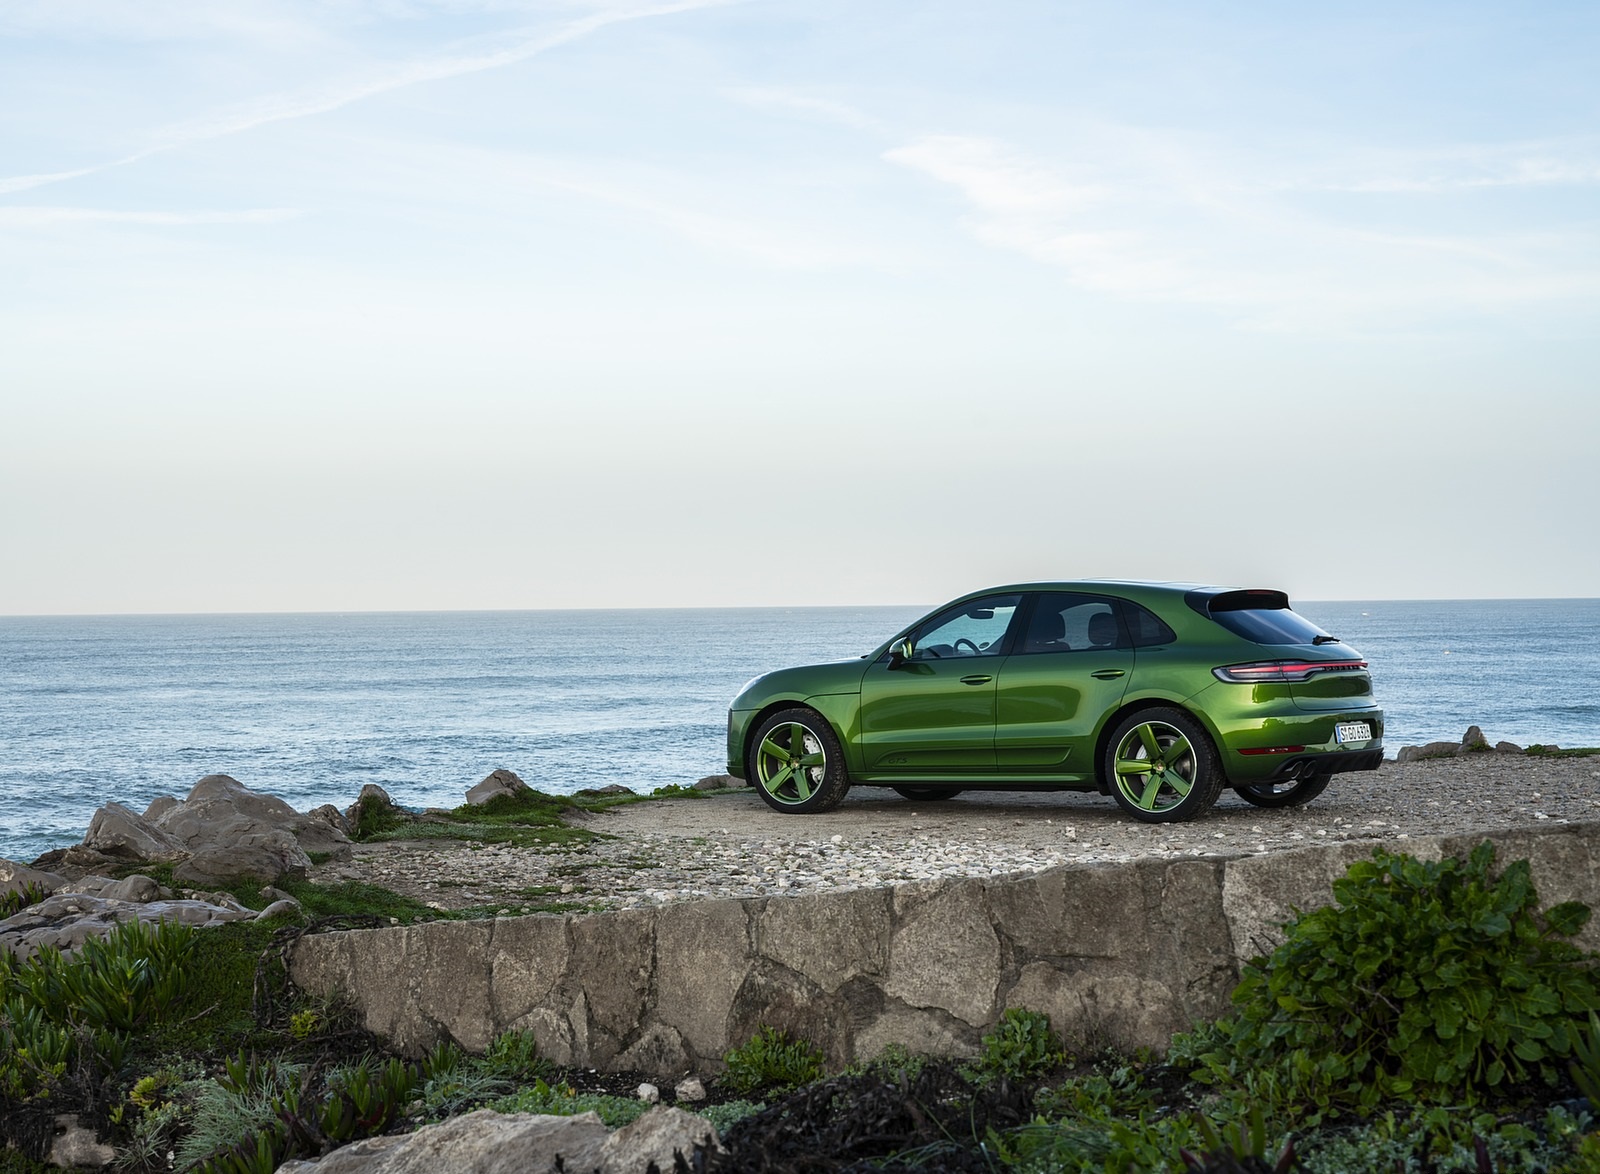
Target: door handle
[(1108, 674), (977, 679)]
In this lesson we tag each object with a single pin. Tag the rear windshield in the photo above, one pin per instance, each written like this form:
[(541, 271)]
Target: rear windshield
[(1269, 625)]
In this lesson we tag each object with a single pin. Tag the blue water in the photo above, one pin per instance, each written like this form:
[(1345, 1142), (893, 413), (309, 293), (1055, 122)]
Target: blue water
[(310, 707)]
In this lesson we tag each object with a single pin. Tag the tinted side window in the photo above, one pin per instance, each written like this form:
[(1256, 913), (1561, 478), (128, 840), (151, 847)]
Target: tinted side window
[(977, 628), (1145, 627), (1269, 625), (1068, 622)]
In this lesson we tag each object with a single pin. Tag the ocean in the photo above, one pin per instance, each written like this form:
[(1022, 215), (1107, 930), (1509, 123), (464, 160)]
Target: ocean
[(311, 707)]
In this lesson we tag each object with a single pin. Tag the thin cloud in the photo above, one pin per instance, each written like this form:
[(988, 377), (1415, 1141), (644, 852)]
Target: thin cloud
[(808, 105), (1142, 218), (471, 57), (34, 216)]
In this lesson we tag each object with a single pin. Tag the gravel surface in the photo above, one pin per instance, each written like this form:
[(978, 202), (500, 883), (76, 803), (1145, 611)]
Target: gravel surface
[(731, 844)]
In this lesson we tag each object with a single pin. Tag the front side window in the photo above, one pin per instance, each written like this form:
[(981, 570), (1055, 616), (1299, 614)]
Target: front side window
[(1068, 622), (977, 628)]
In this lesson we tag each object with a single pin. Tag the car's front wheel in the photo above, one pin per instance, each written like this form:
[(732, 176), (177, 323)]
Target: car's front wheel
[(1162, 767), (797, 764), (1288, 793)]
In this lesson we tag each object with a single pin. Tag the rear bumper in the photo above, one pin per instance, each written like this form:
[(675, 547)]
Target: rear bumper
[(1327, 763)]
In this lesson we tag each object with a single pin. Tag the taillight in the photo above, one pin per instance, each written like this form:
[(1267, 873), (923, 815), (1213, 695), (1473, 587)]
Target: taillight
[(1283, 670)]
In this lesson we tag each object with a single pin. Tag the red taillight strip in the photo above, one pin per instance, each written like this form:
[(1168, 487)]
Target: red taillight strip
[(1283, 670)]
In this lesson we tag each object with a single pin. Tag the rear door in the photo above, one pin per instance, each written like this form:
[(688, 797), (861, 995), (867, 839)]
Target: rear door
[(1070, 668)]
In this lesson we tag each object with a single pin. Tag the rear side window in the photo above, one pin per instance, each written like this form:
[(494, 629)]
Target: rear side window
[(1264, 625), (1145, 627)]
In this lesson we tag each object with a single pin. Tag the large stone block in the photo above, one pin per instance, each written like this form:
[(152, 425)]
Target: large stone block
[(1071, 912), (449, 963), (612, 964), (944, 952), (1260, 894), (917, 1030), (527, 958), (1097, 1007), (703, 953), (1561, 859), (829, 938), (775, 996)]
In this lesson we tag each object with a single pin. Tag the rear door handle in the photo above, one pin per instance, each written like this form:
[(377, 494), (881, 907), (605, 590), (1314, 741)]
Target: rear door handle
[(976, 679), (1108, 674)]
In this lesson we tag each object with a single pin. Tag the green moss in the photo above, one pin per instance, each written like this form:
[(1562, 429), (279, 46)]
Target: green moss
[(1537, 751)]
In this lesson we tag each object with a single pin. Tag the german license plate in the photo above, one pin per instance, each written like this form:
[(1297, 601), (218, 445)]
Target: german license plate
[(1353, 732)]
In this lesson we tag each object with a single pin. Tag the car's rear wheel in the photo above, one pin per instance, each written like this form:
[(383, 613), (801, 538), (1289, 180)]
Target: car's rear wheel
[(797, 764), (1162, 767), (926, 794), (1285, 793)]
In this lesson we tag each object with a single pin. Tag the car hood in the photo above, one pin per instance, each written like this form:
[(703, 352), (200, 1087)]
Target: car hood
[(812, 680)]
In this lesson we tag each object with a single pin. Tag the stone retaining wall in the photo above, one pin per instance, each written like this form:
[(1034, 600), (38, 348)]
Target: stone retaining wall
[(1120, 954)]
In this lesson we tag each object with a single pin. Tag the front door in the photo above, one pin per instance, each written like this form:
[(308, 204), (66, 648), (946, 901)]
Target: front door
[(932, 714)]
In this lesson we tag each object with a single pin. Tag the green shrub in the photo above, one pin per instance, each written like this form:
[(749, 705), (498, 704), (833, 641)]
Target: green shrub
[(514, 1056), (1021, 1046), (560, 1100), (1424, 981), (772, 1059), (16, 901)]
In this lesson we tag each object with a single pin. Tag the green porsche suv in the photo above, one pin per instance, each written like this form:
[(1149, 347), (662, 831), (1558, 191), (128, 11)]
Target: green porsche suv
[(1158, 694)]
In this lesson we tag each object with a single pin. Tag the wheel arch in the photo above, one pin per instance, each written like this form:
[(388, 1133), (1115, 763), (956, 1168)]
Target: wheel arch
[(1154, 701), (772, 707)]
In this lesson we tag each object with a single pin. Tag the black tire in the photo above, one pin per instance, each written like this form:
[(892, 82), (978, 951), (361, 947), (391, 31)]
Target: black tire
[(801, 770), (1289, 793), (1181, 786), (926, 794)]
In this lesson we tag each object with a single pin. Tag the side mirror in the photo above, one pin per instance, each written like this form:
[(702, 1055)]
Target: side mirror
[(899, 654)]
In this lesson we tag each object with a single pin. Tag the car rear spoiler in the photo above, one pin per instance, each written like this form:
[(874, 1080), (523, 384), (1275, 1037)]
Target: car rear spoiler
[(1209, 602)]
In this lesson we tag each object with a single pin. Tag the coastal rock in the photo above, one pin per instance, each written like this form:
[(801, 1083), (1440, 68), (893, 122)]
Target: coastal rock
[(265, 856), (222, 813), (159, 806), (221, 831), (1507, 748), (608, 789), (656, 1140), (1430, 750), (372, 797), (1473, 741), (718, 783), (15, 877), (121, 834), (333, 817), (497, 783), (67, 920), (482, 1142)]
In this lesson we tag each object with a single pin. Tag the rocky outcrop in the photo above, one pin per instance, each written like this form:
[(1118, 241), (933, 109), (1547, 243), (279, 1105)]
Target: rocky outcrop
[(496, 784), (1121, 954), (222, 831), (17, 878), (1472, 742), (487, 1142), (96, 904)]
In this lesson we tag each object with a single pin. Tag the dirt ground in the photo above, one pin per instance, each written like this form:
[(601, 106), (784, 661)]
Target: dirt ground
[(731, 844)]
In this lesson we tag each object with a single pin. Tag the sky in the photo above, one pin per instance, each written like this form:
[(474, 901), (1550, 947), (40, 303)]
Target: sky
[(398, 304)]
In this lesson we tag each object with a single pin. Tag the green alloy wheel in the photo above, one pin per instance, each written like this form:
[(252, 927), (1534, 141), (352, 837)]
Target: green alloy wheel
[(797, 764), (1289, 793), (1161, 766)]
